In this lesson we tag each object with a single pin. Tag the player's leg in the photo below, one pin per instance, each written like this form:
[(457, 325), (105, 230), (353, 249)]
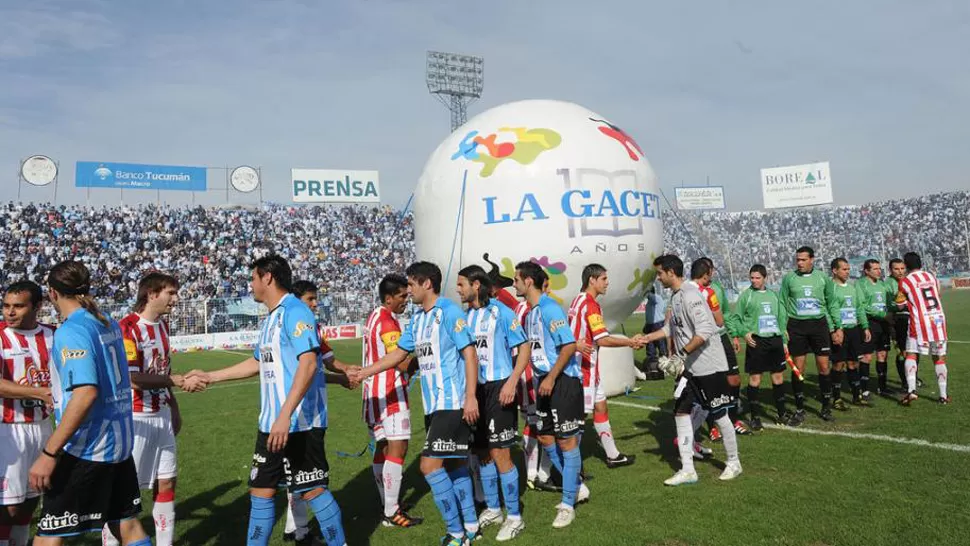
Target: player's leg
[(446, 454), (568, 419), (683, 408), (505, 424), (397, 431), (604, 431), (146, 455), (267, 472), (379, 460), (124, 508), (15, 521), (901, 323), (798, 347), (754, 367), (442, 490), (163, 506), (22, 444), (913, 350), (938, 354), (488, 471), (310, 476)]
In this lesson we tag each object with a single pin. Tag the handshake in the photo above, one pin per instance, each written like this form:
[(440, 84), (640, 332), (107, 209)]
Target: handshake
[(194, 381)]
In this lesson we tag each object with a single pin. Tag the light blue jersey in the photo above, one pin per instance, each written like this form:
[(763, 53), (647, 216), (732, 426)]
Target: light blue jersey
[(548, 330), (437, 338), (88, 353), (496, 332), (289, 331)]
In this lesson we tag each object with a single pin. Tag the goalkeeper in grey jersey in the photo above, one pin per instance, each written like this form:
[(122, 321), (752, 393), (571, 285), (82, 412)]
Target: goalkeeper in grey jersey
[(700, 366)]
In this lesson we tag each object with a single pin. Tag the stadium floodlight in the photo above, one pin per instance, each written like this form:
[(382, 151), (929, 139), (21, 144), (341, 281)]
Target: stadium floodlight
[(456, 80)]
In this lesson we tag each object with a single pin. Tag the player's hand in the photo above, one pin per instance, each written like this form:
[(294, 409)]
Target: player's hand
[(176, 421), (749, 339), (737, 344), (868, 336), (837, 337), (40, 472), (195, 383), (279, 434), (583, 348), (45, 395), (471, 410), (506, 396), (545, 388)]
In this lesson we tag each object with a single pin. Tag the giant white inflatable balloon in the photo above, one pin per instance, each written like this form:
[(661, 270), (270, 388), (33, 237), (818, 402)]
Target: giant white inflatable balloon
[(546, 181)]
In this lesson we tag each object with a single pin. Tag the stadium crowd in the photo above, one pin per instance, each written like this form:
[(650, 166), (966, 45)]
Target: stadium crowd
[(935, 225)]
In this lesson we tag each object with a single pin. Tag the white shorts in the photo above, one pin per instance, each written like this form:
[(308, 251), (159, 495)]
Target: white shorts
[(937, 348), (593, 394), (154, 450), (22, 444), (396, 427)]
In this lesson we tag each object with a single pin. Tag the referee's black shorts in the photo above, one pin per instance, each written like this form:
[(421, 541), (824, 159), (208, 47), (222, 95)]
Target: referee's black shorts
[(809, 336)]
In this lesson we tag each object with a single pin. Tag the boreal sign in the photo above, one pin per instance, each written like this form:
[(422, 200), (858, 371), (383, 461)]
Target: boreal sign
[(543, 181)]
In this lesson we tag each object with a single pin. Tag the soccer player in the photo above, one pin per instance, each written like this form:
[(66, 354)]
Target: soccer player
[(589, 328), (762, 322), (731, 349), (855, 333), (292, 427), (700, 273), (496, 332), (703, 375), (927, 325), (85, 468), (559, 400), (900, 311), (157, 419), (813, 325), (386, 408), (445, 349), (296, 528), (876, 295), (25, 353)]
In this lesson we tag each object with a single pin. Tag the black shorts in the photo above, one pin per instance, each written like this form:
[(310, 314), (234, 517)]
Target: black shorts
[(497, 424), (447, 435), (809, 336), (712, 392), (300, 466), (561, 414), (852, 346), (85, 495), (732, 357), (767, 356), (881, 336), (901, 327)]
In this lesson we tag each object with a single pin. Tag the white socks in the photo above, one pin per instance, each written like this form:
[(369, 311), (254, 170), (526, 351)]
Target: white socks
[(164, 515), (941, 378), (530, 445), (910, 374), (296, 516), (393, 471), (729, 437), (697, 417), (685, 441), (605, 433)]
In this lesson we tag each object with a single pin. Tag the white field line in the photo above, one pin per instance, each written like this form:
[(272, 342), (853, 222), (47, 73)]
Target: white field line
[(960, 448)]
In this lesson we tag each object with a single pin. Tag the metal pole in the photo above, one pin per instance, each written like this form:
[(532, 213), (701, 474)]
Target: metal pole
[(20, 182), (56, 180), (966, 232), (227, 185), (259, 172)]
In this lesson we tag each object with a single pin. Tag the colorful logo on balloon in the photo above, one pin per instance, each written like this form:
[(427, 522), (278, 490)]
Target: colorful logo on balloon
[(527, 145), (642, 279), (555, 270), (619, 135)]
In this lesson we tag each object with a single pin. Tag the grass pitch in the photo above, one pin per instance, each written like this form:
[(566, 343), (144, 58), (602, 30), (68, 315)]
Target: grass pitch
[(882, 475)]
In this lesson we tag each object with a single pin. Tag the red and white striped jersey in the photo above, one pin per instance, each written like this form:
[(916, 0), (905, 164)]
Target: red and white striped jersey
[(386, 393), (586, 321), (527, 388), (927, 323), (26, 357), (148, 351)]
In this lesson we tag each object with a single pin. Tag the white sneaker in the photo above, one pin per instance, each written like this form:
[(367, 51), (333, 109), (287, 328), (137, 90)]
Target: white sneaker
[(583, 494), (682, 477), (510, 529), (640, 376), (731, 471), (564, 516), (490, 517), (701, 452)]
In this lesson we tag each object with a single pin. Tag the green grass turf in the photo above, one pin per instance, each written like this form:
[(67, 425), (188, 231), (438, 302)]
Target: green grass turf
[(797, 489)]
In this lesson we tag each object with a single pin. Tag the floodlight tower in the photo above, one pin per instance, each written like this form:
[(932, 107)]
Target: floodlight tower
[(456, 80)]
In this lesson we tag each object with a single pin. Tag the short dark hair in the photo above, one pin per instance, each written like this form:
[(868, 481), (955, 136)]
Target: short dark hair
[(29, 287), (531, 270), (659, 260), (153, 283), (391, 284), (758, 268), (867, 265), (477, 273), (837, 263), (670, 262), (709, 261), (278, 268), (912, 261), (806, 249), (425, 271), (895, 261), (699, 268), (303, 287), (591, 271)]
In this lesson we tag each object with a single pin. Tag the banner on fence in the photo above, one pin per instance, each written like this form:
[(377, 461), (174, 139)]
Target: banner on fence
[(247, 339)]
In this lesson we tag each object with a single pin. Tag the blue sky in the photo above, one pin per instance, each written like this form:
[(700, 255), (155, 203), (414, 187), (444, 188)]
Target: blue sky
[(714, 89)]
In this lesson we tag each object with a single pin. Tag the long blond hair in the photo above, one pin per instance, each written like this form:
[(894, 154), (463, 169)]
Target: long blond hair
[(72, 280)]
